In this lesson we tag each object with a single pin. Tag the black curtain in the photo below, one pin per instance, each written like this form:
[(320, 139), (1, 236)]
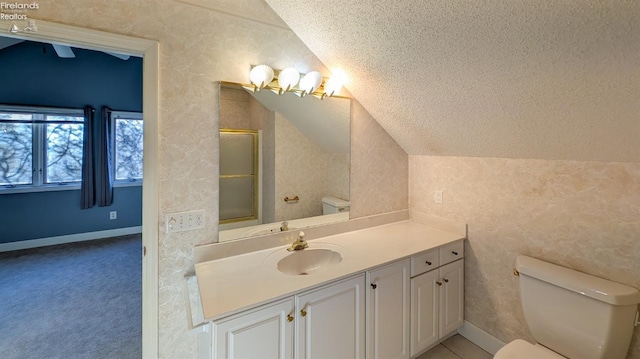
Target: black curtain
[(103, 165), (87, 187)]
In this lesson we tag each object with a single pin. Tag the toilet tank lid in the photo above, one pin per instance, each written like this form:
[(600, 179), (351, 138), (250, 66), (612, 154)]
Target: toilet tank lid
[(337, 202), (585, 284)]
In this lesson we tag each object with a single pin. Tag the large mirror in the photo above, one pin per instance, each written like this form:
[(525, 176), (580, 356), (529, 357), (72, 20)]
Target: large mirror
[(284, 161)]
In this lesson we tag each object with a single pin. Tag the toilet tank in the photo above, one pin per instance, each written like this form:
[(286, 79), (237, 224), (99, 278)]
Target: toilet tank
[(577, 315), (334, 205)]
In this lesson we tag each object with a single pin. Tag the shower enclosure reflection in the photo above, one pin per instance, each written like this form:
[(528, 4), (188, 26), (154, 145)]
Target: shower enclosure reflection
[(274, 147)]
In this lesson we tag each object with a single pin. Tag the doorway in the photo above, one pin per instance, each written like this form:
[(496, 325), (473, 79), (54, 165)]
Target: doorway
[(148, 50)]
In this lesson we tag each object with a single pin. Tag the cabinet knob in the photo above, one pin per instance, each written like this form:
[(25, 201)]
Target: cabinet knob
[(439, 283), (428, 263), (454, 253), (289, 318), (445, 280), (303, 313), (374, 286)]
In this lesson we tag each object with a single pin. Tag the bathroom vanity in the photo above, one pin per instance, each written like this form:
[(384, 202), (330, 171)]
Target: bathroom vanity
[(396, 290)]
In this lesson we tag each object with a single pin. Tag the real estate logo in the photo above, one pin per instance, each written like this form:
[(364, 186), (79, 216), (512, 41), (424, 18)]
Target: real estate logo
[(16, 11)]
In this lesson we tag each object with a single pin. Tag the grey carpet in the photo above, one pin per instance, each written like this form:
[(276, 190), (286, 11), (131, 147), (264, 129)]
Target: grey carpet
[(79, 300)]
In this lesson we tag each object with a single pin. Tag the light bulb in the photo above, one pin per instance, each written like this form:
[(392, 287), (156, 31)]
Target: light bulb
[(310, 82), (288, 78), (261, 75), (332, 86)]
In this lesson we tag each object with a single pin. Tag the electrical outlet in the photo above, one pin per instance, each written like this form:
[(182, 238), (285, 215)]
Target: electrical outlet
[(113, 215), (437, 197), (184, 221)]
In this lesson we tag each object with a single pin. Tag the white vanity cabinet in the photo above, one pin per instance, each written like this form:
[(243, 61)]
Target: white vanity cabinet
[(388, 311), (437, 295), (327, 322), (264, 332), (332, 321)]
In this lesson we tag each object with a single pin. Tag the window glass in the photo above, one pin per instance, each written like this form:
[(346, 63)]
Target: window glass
[(16, 149), (64, 149), (128, 148)]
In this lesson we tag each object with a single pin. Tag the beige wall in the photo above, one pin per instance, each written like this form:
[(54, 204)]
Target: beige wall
[(198, 46), (584, 215), (302, 171), (379, 167)]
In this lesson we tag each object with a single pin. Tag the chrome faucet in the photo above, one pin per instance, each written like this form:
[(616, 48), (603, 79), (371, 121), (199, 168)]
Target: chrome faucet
[(298, 244), (284, 226)]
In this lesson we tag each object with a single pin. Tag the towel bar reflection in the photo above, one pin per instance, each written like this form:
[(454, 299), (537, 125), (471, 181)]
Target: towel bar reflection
[(294, 199)]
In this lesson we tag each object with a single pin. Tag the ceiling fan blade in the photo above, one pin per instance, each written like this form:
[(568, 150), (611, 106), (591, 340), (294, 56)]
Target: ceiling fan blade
[(64, 51), (7, 41), (120, 56)]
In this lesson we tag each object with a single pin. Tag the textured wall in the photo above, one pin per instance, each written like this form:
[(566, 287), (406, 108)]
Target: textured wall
[(302, 172), (379, 167), (337, 181), (583, 215), (198, 46)]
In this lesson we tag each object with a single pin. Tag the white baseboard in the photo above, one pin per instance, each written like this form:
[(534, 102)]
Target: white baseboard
[(41, 242), (480, 338)]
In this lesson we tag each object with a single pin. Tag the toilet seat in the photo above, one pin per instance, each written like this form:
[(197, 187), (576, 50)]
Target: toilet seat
[(522, 349)]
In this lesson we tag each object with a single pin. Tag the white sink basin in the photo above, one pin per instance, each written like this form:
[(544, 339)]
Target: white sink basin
[(308, 261)]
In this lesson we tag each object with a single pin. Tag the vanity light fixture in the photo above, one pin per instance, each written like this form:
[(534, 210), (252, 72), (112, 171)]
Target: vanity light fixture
[(332, 86), (310, 82), (261, 76), (288, 80)]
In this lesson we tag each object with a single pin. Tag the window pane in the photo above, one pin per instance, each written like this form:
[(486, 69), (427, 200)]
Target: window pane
[(65, 118), (64, 152), (128, 149), (16, 150)]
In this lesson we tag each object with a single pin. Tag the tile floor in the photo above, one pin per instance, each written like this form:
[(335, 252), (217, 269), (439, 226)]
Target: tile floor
[(456, 347)]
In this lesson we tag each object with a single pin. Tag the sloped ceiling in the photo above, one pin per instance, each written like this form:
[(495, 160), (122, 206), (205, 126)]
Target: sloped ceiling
[(519, 79), (325, 123)]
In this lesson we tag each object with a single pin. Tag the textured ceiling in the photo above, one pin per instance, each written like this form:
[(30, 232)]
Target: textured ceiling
[(323, 122), (503, 78)]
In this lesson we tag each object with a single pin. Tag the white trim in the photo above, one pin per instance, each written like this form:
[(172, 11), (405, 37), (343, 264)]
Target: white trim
[(149, 50), (127, 115), (42, 110), (69, 238), (479, 337), (68, 186)]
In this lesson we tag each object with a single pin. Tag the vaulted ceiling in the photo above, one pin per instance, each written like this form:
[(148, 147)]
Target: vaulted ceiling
[(541, 79)]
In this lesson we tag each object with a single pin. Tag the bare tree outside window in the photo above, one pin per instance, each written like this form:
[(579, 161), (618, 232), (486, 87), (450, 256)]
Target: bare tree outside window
[(16, 149), (128, 146), (39, 148), (64, 149)]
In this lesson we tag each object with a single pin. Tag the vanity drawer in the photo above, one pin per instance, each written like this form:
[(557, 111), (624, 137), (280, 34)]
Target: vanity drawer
[(424, 262), (451, 252)]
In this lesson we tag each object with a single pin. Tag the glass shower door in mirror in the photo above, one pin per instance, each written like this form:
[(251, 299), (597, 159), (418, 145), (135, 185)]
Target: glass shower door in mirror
[(238, 175)]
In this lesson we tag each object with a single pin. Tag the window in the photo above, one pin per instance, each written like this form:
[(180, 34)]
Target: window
[(40, 146), (127, 140)]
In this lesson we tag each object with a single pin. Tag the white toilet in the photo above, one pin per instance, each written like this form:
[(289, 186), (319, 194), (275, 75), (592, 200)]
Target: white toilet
[(334, 205), (572, 314)]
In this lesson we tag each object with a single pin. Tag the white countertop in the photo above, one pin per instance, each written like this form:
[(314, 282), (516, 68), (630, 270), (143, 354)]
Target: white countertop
[(232, 284)]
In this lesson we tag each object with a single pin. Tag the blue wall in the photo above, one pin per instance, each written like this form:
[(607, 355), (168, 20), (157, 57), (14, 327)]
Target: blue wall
[(34, 75)]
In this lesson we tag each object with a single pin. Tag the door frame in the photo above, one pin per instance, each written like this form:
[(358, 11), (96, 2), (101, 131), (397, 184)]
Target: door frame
[(149, 50)]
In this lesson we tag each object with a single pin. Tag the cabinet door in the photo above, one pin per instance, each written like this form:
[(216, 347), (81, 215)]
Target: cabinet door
[(424, 311), (451, 297), (266, 332), (331, 321), (388, 311)]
